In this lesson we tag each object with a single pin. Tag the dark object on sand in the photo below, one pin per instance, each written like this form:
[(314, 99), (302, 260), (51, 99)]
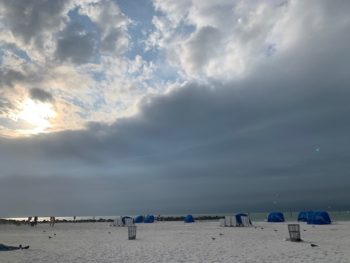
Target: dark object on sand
[(9, 248), (132, 232), (294, 232), (221, 234), (213, 238), (313, 245), (50, 236)]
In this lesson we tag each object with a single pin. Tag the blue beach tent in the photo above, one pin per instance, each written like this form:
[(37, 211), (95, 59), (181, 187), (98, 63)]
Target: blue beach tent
[(275, 217), (319, 218), (149, 219), (138, 219), (189, 219), (304, 215)]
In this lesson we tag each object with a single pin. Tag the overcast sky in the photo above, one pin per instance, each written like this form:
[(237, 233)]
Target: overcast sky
[(170, 107)]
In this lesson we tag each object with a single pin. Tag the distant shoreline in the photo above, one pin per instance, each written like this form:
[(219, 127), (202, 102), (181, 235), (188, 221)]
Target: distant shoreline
[(103, 220)]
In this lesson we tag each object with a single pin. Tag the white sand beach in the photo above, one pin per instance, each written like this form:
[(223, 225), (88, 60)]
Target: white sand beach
[(175, 242)]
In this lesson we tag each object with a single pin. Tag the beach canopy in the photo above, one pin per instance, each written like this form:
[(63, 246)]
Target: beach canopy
[(243, 219), (149, 219), (139, 219), (319, 218), (304, 215), (189, 219), (275, 217)]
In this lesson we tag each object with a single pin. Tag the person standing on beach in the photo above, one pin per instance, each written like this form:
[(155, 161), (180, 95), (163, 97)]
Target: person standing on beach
[(52, 221)]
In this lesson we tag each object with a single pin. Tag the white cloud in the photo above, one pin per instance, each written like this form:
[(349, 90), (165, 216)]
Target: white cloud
[(230, 37), (78, 57)]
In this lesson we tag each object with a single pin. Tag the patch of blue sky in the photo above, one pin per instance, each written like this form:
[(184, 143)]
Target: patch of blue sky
[(98, 76), (16, 51), (164, 73), (82, 19), (141, 13), (185, 28), (99, 101)]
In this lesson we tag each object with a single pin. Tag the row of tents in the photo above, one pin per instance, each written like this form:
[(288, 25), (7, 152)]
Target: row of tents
[(127, 220), (310, 217), (241, 219)]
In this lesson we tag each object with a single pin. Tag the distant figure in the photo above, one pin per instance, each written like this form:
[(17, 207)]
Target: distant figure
[(74, 218), (52, 221), (35, 222), (9, 248), (29, 219)]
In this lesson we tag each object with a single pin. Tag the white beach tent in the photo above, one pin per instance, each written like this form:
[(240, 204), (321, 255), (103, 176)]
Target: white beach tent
[(123, 221), (228, 221), (118, 221), (243, 220)]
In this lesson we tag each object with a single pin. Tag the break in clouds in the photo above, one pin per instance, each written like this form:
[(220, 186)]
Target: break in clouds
[(187, 106)]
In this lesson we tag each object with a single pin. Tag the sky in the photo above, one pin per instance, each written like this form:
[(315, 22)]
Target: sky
[(112, 107)]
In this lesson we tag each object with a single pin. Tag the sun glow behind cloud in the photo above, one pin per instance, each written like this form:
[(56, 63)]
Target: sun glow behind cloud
[(38, 115)]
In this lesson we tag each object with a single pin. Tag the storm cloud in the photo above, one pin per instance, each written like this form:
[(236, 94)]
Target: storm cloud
[(221, 147)]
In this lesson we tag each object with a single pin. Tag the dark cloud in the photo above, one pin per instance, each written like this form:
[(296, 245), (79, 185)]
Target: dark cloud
[(279, 135), (41, 95), (28, 19), (8, 77), (76, 44)]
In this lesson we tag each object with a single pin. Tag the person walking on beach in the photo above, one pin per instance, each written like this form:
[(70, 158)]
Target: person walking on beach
[(52, 221)]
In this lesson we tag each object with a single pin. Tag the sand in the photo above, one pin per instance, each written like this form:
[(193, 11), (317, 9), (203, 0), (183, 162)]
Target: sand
[(175, 242)]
